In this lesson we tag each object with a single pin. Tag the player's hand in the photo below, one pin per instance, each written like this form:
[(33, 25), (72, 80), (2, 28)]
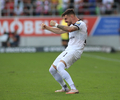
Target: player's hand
[(43, 26), (52, 23)]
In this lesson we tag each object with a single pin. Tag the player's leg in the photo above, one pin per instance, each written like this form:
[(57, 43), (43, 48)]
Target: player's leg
[(58, 78), (67, 77), (65, 74), (55, 73), (66, 62)]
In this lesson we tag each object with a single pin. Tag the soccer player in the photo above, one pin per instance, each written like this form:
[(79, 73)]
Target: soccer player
[(77, 39)]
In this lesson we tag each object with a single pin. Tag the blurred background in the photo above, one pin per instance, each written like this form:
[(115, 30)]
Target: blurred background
[(20, 22)]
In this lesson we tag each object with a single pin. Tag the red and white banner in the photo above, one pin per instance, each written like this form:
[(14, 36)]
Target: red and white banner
[(32, 26), (27, 26)]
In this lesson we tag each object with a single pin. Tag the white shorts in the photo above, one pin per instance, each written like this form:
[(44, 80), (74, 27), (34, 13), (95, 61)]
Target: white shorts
[(69, 57)]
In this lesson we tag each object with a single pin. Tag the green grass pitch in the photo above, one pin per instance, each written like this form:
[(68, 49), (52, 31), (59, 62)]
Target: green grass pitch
[(25, 76)]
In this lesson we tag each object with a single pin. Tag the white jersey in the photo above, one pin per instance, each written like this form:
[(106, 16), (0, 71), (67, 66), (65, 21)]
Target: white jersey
[(75, 45), (77, 38)]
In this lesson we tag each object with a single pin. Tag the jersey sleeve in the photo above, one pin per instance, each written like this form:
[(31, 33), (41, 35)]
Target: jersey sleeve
[(78, 24)]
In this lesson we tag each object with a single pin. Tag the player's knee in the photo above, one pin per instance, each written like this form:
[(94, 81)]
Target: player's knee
[(60, 66), (52, 70), (61, 69)]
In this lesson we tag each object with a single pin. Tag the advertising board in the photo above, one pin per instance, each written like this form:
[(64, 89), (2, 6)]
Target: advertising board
[(32, 26)]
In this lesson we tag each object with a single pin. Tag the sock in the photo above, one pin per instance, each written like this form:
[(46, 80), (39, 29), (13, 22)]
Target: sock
[(65, 75), (57, 76), (65, 87), (73, 87)]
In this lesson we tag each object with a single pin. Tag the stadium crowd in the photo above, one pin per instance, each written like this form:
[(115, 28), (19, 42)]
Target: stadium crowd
[(56, 7)]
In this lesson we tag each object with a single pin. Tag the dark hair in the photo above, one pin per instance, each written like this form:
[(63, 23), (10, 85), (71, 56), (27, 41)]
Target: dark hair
[(68, 12)]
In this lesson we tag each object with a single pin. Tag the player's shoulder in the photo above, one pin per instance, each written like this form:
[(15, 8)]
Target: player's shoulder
[(79, 22)]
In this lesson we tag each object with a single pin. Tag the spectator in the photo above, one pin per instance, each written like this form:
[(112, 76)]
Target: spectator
[(54, 6), (97, 8), (108, 4), (27, 7), (2, 5), (4, 39), (92, 7), (71, 5), (19, 2), (2, 2), (55, 2), (18, 11), (78, 6), (115, 5), (9, 6), (14, 39), (39, 7), (59, 7), (86, 7), (65, 4), (47, 7), (18, 7)]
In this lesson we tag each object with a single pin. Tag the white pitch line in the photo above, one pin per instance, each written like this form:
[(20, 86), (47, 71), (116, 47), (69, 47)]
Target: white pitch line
[(102, 58)]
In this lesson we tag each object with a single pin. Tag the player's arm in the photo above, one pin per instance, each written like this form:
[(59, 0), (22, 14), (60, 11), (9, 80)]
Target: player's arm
[(64, 28), (67, 28), (52, 29)]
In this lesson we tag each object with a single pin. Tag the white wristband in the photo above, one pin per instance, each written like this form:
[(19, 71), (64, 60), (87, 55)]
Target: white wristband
[(56, 24)]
